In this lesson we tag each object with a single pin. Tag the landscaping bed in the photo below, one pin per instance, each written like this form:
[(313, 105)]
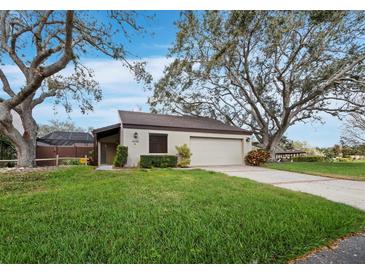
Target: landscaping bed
[(79, 215)]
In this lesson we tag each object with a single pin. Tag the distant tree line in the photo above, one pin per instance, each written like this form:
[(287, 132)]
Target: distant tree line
[(344, 149)]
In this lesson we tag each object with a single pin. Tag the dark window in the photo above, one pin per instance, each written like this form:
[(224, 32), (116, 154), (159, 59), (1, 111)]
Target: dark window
[(158, 143)]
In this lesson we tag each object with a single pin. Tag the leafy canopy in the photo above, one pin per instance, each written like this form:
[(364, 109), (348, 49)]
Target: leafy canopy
[(265, 70)]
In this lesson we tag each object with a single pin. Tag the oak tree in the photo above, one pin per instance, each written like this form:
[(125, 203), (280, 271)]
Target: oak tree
[(41, 44), (265, 70), (353, 131)]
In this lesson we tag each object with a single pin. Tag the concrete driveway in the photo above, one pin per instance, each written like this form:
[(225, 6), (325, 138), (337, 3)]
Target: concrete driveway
[(343, 191)]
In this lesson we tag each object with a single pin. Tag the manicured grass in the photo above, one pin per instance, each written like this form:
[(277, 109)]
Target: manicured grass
[(350, 170), (78, 215)]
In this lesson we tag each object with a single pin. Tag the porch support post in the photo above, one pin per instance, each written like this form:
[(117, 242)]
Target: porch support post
[(99, 153), (121, 139)]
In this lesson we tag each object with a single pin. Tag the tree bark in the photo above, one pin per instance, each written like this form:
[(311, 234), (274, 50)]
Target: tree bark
[(25, 144), (26, 154), (271, 143)]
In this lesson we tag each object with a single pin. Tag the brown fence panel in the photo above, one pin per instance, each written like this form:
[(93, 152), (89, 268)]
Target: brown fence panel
[(46, 152), (62, 151)]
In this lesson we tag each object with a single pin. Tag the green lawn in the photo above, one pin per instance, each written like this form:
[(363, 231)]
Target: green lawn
[(351, 170), (78, 215)]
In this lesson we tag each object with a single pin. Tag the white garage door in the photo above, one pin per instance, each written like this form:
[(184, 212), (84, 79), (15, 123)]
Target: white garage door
[(215, 151)]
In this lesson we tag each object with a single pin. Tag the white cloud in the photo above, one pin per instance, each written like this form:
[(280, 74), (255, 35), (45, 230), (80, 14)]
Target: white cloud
[(113, 72), (120, 91)]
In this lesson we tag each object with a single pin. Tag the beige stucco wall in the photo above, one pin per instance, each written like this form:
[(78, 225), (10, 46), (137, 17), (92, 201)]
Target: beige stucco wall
[(175, 138)]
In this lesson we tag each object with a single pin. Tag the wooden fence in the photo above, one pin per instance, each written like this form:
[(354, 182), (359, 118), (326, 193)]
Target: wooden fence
[(49, 152)]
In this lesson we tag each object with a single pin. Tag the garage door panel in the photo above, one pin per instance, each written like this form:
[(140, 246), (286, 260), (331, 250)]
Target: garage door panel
[(215, 151)]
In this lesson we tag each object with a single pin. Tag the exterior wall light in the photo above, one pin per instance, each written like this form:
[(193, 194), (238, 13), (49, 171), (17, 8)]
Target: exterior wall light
[(248, 139), (135, 138)]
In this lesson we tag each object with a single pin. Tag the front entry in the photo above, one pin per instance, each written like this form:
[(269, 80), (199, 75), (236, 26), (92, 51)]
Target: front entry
[(108, 151)]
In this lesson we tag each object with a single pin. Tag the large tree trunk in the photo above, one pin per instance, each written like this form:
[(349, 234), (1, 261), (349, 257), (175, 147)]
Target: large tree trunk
[(25, 144), (271, 143), (27, 150), (26, 154)]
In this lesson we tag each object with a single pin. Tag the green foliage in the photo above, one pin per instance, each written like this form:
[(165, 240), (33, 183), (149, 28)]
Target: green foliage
[(308, 159), (184, 155), (343, 151), (257, 157), (149, 161), (121, 156), (328, 153), (343, 159), (353, 150), (242, 54), (7, 151), (77, 215), (71, 162)]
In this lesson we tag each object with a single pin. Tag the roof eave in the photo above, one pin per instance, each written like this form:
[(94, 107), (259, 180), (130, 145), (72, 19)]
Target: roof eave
[(186, 129), (102, 129)]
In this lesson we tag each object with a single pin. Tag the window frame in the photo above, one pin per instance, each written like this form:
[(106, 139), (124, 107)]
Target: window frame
[(157, 135)]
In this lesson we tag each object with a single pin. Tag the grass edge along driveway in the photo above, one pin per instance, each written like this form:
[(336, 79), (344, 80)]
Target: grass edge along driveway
[(78, 215), (342, 170)]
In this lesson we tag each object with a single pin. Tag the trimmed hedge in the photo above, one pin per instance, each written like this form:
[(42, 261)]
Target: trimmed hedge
[(308, 159), (148, 161)]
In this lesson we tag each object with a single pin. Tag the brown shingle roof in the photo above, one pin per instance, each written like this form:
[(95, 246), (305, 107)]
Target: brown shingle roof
[(132, 119)]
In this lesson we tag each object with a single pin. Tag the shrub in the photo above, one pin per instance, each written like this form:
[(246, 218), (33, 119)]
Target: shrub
[(121, 156), (72, 162), (184, 155), (257, 157), (308, 159), (148, 161), (343, 159)]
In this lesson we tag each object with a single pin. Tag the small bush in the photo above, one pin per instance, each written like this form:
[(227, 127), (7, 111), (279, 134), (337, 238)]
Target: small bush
[(308, 159), (342, 159), (257, 157), (71, 162), (121, 156), (184, 155), (148, 161)]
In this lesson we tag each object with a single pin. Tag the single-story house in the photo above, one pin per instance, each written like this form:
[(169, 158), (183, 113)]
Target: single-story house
[(211, 141), (64, 144)]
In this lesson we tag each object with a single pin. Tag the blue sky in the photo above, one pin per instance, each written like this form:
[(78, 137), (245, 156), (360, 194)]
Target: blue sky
[(121, 92)]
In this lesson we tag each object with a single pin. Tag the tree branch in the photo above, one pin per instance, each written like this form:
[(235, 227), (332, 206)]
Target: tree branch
[(6, 85)]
